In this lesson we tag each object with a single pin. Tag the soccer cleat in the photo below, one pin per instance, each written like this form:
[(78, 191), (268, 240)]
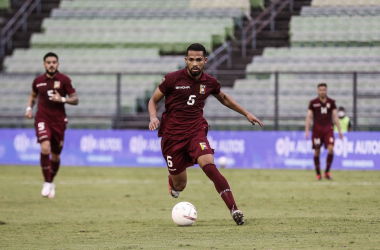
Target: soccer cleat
[(238, 217), (52, 191), (46, 189), (319, 177), (327, 176)]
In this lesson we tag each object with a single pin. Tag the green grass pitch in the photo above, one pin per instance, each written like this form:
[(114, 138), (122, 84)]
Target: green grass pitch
[(130, 208)]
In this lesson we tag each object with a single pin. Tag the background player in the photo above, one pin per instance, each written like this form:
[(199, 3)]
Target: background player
[(183, 128), (322, 108), (51, 89)]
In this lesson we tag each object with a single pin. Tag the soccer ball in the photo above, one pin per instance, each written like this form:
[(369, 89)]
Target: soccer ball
[(184, 214)]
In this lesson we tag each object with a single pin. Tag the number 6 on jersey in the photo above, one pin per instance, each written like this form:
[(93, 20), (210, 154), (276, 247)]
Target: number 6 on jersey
[(168, 160)]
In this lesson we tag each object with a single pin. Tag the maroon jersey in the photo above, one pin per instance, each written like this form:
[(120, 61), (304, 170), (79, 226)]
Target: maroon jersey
[(184, 102), (54, 112), (322, 112)]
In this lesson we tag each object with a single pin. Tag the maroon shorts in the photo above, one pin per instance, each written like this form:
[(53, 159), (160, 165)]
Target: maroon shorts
[(181, 154), (53, 132), (323, 135)]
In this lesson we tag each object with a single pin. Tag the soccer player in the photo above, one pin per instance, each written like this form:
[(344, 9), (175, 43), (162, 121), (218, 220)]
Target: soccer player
[(322, 109), (51, 89), (183, 128)]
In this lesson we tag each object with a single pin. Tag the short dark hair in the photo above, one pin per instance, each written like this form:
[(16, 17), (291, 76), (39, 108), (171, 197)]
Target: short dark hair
[(196, 47), (341, 108), (322, 85), (49, 55)]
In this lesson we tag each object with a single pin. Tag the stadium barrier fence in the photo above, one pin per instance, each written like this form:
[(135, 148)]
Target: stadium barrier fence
[(233, 149)]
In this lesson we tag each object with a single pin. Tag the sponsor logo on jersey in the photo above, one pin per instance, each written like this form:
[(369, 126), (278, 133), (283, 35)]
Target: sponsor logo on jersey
[(203, 89), (328, 105), (182, 87), (316, 104), (57, 85), (323, 110), (172, 169), (41, 84), (203, 145)]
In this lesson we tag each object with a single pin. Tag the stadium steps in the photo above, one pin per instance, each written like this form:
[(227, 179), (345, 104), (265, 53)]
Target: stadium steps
[(22, 39), (277, 38)]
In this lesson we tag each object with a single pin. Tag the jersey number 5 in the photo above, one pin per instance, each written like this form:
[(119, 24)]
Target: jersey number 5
[(191, 100)]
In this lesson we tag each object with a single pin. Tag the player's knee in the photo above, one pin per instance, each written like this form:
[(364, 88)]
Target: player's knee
[(317, 152), (179, 186), (55, 157), (45, 150)]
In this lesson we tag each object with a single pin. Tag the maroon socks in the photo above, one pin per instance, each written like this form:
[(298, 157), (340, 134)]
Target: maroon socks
[(316, 163), (54, 168), (45, 165), (329, 161), (221, 185)]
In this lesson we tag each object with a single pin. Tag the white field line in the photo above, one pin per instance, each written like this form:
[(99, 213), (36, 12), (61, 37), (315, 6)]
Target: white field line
[(135, 181)]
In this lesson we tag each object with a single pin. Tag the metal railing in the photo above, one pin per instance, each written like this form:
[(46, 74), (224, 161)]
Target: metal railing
[(216, 58), (252, 26), (273, 110), (19, 20), (355, 95)]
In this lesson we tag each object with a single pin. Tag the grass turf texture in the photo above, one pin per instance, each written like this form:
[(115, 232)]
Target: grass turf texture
[(130, 208)]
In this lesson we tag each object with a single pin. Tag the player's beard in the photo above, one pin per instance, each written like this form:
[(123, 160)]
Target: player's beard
[(195, 74), (51, 73)]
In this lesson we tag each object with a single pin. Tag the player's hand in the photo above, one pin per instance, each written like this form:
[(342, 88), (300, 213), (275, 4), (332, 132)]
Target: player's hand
[(154, 122), (29, 114), (253, 119), (56, 97), (341, 135), (307, 135)]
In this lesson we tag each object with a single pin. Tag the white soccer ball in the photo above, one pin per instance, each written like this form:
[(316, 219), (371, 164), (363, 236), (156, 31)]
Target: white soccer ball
[(184, 214)]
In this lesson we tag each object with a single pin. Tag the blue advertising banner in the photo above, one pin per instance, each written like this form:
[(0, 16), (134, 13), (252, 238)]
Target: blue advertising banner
[(233, 149)]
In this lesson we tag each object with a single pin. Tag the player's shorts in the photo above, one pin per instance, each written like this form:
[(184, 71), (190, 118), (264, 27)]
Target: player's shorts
[(323, 135), (53, 132), (181, 154)]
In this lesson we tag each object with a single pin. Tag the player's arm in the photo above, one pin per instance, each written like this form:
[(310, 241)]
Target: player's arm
[(72, 99), (336, 121), (32, 100), (307, 122), (152, 108), (229, 102)]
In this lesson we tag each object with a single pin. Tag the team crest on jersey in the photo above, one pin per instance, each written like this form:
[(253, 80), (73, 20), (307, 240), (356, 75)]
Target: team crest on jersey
[(203, 145), (57, 85), (203, 89), (328, 105)]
